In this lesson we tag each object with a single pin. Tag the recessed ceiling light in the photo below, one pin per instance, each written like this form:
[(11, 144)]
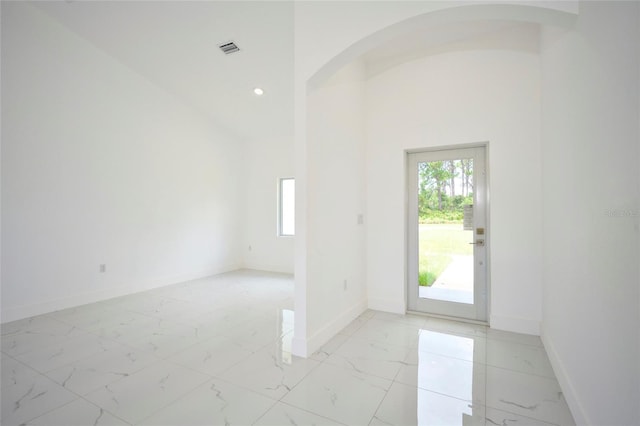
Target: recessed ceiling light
[(258, 91)]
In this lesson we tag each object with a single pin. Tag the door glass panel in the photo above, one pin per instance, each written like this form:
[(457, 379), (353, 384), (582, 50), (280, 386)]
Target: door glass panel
[(445, 230)]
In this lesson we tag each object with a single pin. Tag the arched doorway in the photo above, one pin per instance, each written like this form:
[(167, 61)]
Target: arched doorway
[(333, 282)]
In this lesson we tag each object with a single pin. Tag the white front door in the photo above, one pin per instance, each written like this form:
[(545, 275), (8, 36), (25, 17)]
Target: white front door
[(448, 238)]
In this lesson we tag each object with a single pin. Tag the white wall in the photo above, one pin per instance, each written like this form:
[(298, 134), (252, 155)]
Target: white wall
[(591, 216), (329, 35), (336, 287), (99, 166), (458, 98), (264, 163)]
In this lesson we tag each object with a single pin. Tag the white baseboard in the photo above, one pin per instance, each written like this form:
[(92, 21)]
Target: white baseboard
[(25, 311), (568, 390), (280, 269), (515, 324), (384, 305), (304, 348)]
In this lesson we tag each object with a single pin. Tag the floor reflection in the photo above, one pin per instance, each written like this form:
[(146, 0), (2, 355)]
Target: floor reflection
[(286, 319), (435, 409), (446, 367)]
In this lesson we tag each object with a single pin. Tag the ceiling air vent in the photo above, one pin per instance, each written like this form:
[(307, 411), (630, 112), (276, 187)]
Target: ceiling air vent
[(228, 48)]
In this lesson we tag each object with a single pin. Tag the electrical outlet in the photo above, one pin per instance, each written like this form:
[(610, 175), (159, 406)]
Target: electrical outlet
[(344, 284), (103, 268)]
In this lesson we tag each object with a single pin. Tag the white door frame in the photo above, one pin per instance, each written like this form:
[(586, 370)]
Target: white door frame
[(479, 311)]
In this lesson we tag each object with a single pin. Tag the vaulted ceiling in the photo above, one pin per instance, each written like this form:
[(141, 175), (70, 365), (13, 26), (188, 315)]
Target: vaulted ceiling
[(174, 45)]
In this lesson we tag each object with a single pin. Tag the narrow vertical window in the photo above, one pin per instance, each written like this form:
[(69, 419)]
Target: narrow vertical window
[(287, 207)]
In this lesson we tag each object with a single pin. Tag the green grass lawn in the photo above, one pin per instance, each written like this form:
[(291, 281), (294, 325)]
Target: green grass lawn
[(438, 242)]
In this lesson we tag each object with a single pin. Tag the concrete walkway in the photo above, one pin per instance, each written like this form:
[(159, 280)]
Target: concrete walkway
[(455, 284), (458, 275)]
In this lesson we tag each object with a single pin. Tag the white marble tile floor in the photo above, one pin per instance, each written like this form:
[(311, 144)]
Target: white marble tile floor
[(217, 351)]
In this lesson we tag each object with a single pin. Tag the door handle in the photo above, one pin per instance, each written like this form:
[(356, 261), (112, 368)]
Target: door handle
[(479, 243)]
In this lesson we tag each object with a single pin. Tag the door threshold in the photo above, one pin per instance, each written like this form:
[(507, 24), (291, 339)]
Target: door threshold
[(445, 317)]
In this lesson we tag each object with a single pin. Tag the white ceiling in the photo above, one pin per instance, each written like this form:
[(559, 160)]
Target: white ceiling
[(175, 46), (432, 40)]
